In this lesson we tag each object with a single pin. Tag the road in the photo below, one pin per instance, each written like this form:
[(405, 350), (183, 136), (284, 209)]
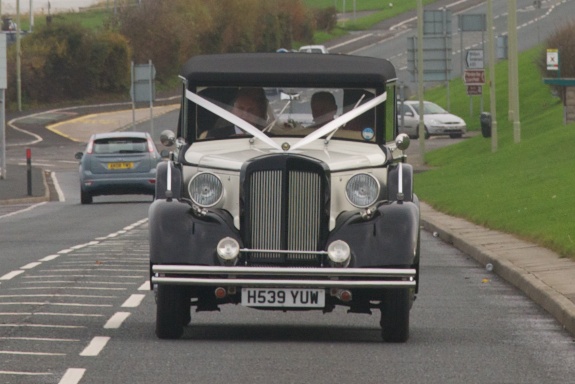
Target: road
[(74, 308)]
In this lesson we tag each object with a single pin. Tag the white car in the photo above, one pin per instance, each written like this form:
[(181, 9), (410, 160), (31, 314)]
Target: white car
[(313, 49), (438, 121)]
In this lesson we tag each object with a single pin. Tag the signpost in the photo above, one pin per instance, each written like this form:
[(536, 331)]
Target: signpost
[(474, 59), (553, 60), (474, 76)]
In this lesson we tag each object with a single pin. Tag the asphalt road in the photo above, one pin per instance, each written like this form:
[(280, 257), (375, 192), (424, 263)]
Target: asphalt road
[(80, 313)]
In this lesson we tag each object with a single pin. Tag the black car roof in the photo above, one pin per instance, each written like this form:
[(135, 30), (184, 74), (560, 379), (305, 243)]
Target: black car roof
[(288, 70)]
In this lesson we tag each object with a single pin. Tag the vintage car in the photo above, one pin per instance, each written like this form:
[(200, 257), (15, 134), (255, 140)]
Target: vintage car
[(285, 210)]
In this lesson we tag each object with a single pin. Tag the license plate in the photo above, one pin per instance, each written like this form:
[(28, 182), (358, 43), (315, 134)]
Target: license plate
[(283, 297), (129, 165)]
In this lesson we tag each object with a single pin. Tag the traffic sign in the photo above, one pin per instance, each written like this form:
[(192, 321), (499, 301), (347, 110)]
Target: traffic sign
[(552, 59), (474, 59), (474, 90), (474, 76)]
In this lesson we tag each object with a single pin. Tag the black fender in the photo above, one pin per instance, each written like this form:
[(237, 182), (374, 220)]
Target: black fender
[(388, 239), (393, 181), (178, 236), (162, 175)]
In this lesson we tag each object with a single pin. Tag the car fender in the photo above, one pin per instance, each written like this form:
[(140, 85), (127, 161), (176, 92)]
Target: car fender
[(388, 239), (178, 236)]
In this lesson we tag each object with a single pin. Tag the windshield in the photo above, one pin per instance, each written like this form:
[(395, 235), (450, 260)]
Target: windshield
[(284, 112), (429, 108)]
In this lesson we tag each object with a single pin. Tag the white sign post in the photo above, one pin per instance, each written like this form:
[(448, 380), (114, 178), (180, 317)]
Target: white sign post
[(552, 59), (474, 59)]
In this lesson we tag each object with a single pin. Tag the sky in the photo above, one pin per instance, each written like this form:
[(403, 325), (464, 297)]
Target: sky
[(41, 6)]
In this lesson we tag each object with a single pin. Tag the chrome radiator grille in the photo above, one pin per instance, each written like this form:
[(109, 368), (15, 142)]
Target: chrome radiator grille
[(284, 212)]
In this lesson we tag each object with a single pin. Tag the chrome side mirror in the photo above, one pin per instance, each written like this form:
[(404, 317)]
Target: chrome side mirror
[(402, 141), (167, 138)]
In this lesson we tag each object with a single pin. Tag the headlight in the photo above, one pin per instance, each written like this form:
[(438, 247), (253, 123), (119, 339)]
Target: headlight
[(339, 253), (362, 190), (205, 189), (228, 250)]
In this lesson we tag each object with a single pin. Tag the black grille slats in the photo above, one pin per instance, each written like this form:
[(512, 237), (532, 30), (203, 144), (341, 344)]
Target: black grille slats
[(286, 209)]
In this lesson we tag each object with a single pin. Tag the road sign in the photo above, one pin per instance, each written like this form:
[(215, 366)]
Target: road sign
[(474, 76), (474, 59), (474, 90), (552, 59)]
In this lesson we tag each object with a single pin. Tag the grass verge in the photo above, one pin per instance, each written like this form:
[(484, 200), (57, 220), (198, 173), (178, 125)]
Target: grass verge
[(523, 188)]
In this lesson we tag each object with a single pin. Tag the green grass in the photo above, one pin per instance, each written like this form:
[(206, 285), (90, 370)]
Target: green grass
[(523, 188), (380, 11)]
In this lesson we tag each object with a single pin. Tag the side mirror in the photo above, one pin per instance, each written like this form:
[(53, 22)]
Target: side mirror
[(168, 138), (78, 155), (402, 141)]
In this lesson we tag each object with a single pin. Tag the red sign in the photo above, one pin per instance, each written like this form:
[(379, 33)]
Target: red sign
[(474, 90), (474, 76)]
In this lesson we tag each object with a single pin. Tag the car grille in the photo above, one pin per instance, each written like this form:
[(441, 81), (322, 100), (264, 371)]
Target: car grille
[(285, 209)]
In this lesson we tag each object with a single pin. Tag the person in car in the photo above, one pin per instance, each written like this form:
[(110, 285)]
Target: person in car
[(323, 108), (251, 105)]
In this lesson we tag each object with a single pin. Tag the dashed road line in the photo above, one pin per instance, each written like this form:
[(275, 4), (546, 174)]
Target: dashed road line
[(96, 346), (133, 301), (116, 320)]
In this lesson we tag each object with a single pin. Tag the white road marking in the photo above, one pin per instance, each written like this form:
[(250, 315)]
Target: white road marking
[(31, 265), (72, 376), (11, 275), (23, 210), (59, 191), (31, 353), (95, 347), (145, 286), (133, 301), (49, 258), (19, 373), (116, 320)]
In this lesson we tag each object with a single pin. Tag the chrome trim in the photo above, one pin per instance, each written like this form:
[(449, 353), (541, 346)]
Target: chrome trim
[(292, 277), (284, 283)]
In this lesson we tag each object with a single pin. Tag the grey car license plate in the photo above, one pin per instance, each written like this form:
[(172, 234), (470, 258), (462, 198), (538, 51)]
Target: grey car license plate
[(283, 297)]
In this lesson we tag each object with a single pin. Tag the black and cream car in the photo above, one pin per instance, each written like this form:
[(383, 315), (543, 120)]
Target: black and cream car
[(293, 212)]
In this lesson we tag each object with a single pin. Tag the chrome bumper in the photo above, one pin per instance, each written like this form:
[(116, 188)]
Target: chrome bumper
[(283, 277)]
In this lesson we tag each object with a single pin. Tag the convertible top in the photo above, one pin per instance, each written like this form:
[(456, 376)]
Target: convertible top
[(288, 70)]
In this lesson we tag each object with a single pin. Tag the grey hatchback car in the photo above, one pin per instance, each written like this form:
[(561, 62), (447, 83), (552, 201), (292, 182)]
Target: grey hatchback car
[(118, 163)]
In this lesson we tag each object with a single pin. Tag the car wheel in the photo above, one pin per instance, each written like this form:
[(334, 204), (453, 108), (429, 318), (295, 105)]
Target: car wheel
[(85, 197), (427, 135), (394, 322), (170, 312)]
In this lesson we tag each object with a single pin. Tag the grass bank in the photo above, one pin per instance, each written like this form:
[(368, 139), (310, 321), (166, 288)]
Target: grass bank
[(523, 188)]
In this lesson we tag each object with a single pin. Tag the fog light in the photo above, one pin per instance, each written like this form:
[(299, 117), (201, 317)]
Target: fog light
[(228, 250), (339, 253)]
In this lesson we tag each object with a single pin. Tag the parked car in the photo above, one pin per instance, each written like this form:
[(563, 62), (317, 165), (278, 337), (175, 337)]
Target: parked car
[(437, 120), (280, 211), (118, 163), (313, 49)]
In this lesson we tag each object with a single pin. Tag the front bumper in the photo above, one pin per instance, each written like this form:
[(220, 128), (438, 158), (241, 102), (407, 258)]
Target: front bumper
[(197, 275)]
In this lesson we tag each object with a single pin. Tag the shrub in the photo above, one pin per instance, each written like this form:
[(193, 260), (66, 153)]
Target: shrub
[(564, 41)]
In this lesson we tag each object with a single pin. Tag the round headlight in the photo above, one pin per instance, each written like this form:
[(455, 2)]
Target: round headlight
[(205, 189), (228, 249), (362, 190), (339, 253)]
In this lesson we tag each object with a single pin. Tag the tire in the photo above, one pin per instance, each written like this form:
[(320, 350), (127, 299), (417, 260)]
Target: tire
[(170, 312), (394, 322), (85, 197), (427, 135)]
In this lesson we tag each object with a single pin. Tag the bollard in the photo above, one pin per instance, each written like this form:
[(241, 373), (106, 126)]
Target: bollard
[(29, 169)]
